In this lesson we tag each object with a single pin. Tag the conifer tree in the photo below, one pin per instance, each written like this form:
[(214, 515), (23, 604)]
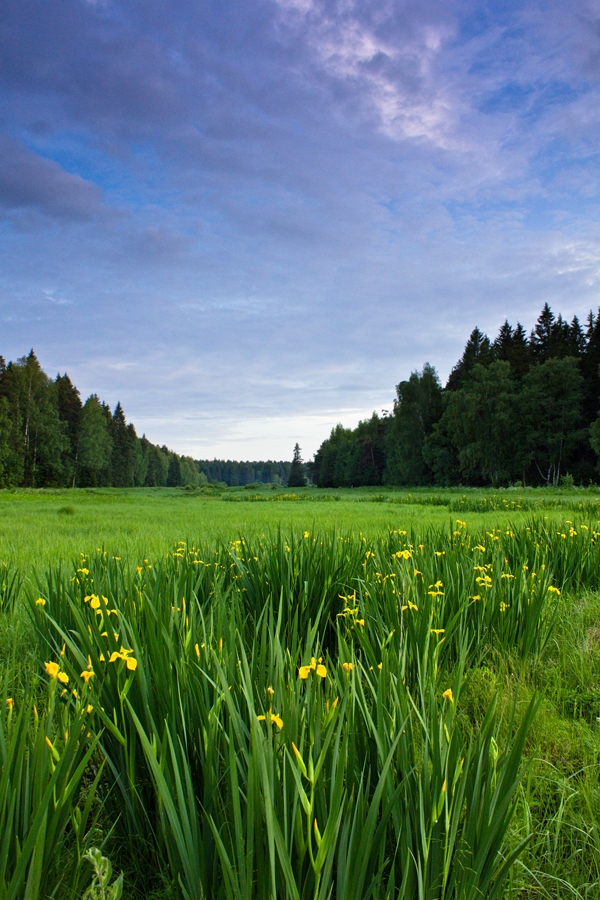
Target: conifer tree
[(477, 351), (512, 346), (297, 478), (125, 450), (69, 412)]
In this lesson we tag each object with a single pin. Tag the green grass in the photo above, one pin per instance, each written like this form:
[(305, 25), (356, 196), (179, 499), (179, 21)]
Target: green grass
[(449, 747), (38, 527)]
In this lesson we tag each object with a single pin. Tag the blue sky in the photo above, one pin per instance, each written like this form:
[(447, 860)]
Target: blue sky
[(248, 221)]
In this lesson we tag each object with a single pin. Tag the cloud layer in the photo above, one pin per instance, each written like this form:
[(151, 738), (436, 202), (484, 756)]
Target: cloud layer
[(250, 221)]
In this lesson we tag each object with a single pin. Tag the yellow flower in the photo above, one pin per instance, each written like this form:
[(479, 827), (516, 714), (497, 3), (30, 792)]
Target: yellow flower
[(40, 602), (437, 630), (63, 677), (273, 717), (52, 669), (95, 602), (10, 702), (348, 666), (410, 605), (448, 695), (124, 654), (86, 675), (316, 666)]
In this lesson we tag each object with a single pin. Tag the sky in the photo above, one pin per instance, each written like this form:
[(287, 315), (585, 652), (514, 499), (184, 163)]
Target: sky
[(248, 220)]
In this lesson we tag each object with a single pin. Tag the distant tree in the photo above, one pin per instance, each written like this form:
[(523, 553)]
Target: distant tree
[(417, 408), (577, 338), (124, 456), (554, 338), (590, 367), (69, 412), (483, 423), (297, 478), (189, 471), (95, 442), (138, 460), (174, 478), (540, 339), (551, 402), (364, 461), (5, 450), (332, 458), (512, 346), (37, 436), (478, 351), (157, 464), (439, 451)]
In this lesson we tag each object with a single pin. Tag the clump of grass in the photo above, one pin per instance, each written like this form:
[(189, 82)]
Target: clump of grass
[(308, 714), (66, 511), (44, 754), (11, 582), (275, 706)]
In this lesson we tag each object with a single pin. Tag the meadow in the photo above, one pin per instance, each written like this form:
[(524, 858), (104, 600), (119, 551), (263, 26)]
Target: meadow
[(39, 527), (274, 694)]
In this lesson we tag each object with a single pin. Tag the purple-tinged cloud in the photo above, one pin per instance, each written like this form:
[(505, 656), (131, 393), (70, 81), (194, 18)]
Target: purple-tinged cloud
[(30, 182)]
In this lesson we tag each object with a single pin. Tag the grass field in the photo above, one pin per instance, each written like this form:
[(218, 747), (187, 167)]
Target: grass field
[(331, 694), (39, 527)]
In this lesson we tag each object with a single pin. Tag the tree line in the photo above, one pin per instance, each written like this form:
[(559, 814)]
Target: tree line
[(521, 408), (50, 438), (239, 474)]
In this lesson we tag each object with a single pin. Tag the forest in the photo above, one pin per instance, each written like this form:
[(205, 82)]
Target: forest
[(521, 409), (240, 474), (49, 438)]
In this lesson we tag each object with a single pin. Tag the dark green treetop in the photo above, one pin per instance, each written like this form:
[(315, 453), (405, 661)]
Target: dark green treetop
[(297, 478)]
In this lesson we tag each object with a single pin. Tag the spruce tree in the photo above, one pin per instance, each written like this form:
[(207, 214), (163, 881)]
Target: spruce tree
[(478, 350), (297, 478)]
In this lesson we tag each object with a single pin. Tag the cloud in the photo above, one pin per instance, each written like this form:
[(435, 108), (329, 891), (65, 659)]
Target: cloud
[(30, 182)]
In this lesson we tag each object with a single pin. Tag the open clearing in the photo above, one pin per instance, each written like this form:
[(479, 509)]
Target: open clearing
[(39, 527)]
